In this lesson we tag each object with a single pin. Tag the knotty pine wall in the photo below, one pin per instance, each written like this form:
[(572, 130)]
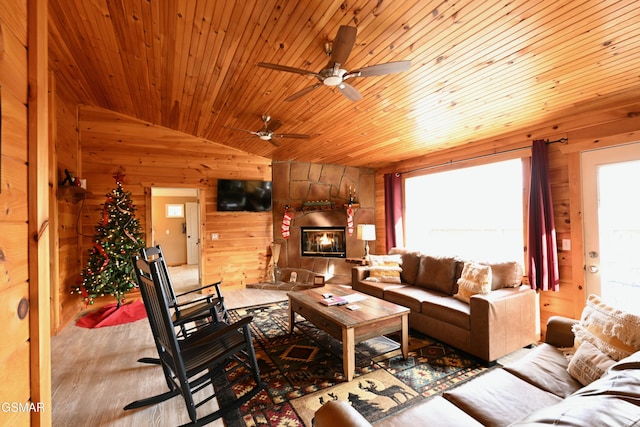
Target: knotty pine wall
[(148, 156), (66, 243), (14, 239), (611, 121)]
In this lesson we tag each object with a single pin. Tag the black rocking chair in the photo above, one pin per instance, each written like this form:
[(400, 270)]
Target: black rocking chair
[(187, 312), (191, 363)]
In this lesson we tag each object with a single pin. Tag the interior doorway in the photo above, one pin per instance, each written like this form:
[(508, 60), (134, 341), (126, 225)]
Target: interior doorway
[(175, 225), (611, 216)]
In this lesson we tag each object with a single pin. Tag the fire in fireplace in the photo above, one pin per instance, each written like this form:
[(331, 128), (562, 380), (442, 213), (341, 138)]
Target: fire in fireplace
[(324, 241)]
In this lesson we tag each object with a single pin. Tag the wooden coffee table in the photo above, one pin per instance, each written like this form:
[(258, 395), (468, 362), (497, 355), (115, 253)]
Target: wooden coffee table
[(374, 318)]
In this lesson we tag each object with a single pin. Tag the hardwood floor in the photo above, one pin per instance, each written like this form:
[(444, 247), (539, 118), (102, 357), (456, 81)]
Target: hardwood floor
[(95, 372)]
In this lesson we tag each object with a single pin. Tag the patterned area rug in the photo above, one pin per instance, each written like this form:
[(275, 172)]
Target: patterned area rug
[(304, 369)]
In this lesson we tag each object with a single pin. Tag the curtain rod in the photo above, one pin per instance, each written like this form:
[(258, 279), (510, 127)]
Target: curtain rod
[(453, 162)]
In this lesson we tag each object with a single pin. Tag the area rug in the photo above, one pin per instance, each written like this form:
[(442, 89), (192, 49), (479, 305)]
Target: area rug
[(302, 370), (111, 315)]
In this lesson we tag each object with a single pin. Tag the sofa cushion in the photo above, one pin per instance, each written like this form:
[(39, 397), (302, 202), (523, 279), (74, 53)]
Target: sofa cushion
[(589, 363), (611, 330), (498, 398), (546, 368), (439, 273), (376, 289), (613, 400), (410, 264), (447, 309), (475, 279), (430, 413), (409, 296), (505, 275)]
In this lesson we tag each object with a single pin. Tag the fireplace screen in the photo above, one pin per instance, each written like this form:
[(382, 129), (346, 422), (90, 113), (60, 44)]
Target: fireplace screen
[(324, 241)]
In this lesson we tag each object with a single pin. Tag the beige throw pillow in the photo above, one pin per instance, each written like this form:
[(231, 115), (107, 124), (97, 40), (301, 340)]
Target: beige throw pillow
[(588, 364), (475, 279), (612, 331), (384, 268)]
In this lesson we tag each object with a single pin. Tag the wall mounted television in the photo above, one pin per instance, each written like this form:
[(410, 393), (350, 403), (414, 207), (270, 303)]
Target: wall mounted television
[(244, 195)]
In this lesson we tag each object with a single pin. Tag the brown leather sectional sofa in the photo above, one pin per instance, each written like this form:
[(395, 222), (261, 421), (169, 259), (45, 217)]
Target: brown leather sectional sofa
[(489, 326), (533, 391)]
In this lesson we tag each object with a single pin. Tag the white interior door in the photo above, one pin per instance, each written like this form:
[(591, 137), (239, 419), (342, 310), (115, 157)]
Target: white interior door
[(193, 233), (611, 216)]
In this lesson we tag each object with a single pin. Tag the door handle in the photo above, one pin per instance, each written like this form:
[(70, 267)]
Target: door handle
[(593, 268)]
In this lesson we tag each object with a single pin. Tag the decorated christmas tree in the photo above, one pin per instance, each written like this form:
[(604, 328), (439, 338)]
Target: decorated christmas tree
[(117, 238)]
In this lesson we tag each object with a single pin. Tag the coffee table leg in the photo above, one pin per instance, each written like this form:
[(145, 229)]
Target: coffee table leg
[(292, 317), (405, 337), (348, 352)]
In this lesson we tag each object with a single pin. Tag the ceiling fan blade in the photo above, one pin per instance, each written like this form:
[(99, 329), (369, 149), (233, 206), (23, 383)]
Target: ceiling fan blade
[(303, 92), (274, 142), (380, 69), (287, 69), (292, 135), (273, 125), (349, 91), (342, 45)]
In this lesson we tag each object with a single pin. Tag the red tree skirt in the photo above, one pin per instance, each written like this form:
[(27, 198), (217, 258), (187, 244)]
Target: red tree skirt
[(110, 315)]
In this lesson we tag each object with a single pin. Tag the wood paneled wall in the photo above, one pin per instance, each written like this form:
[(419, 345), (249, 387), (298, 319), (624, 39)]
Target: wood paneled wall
[(14, 239), (612, 120), (66, 211), (153, 156), (24, 214)]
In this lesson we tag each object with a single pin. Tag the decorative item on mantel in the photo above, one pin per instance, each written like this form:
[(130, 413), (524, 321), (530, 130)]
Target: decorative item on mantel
[(352, 196), (312, 205)]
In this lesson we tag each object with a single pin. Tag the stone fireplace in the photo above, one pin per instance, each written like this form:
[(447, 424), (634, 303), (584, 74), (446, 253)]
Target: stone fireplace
[(323, 242), (315, 197)]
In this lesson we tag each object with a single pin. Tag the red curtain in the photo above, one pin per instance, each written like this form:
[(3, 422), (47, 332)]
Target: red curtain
[(393, 210), (542, 248)]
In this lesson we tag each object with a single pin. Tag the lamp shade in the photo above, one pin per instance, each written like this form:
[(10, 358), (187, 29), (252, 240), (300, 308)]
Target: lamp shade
[(366, 232)]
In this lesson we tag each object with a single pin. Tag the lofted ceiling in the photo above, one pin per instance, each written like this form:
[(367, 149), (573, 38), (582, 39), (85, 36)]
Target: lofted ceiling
[(479, 68)]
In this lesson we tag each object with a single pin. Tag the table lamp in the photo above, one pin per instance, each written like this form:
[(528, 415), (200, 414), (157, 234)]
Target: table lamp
[(366, 232)]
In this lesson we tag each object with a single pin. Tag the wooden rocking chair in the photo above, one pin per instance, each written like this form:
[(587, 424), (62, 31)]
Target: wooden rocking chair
[(191, 363), (187, 311)]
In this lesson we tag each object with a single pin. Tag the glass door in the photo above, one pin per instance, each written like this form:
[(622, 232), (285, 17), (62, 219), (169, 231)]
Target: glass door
[(611, 218)]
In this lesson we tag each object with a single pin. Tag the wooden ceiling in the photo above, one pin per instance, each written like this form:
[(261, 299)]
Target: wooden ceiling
[(480, 68)]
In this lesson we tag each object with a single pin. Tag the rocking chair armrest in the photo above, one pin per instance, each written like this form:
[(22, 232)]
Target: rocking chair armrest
[(216, 284), (209, 298), (218, 333)]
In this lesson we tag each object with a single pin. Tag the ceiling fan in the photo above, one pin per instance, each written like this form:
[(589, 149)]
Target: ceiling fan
[(267, 133), (333, 74)]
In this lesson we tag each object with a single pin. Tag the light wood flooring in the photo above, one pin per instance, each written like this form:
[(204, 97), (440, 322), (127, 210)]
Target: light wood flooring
[(95, 372)]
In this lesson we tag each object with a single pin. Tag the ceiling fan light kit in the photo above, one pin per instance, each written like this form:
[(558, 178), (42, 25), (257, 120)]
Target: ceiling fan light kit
[(267, 133), (333, 75)]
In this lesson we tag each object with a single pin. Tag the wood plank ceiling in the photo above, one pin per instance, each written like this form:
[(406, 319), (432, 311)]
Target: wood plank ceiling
[(479, 68)]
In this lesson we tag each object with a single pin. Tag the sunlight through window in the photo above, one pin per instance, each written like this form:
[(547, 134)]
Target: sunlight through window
[(474, 213)]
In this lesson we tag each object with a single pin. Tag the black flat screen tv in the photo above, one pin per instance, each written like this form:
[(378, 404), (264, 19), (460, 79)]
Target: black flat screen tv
[(244, 195)]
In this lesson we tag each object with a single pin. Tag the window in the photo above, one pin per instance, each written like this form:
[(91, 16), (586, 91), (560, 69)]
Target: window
[(175, 211), (474, 212)]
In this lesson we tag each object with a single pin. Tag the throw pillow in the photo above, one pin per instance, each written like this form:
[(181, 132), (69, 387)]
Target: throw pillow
[(588, 364), (475, 279), (505, 275), (438, 273), (612, 331), (384, 268), (410, 264)]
